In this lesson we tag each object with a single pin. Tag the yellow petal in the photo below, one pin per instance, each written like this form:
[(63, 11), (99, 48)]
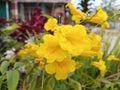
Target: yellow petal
[(51, 49), (112, 58), (50, 24), (61, 69), (50, 68)]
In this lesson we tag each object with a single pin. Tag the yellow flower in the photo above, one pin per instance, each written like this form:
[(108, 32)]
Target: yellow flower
[(74, 39), (100, 54), (112, 58), (95, 37), (22, 53), (88, 53), (51, 49), (100, 17), (29, 50), (105, 24), (73, 10), (51, 24), (61, 69), (96, 42), (96, 45), (78, 18), (100, 65), (77, 15)]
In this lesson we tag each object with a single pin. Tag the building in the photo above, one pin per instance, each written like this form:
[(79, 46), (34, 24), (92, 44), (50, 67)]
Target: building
[(4, 9), (22, 9)]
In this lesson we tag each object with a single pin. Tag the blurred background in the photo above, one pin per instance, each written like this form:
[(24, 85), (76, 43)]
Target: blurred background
[(22, 10)]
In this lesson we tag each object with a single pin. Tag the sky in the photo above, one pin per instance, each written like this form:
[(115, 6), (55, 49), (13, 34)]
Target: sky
[(75, 2), (115, 3)]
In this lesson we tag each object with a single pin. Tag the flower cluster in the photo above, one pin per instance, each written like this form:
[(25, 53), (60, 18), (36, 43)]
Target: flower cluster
[(67, 42), (56, 56), (28, 51), (100, 17)]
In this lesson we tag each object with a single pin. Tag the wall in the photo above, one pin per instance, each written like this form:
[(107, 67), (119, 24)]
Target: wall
[(2, 9)]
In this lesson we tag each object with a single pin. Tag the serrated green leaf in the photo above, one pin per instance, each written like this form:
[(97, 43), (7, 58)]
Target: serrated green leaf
[(12, 79), (4, 66)]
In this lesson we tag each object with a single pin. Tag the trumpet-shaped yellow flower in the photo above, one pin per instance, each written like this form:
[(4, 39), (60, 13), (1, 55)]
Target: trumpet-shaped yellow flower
[(61, 69), (78, 18), (29, 50), (77, 15), (100, 17), (51, 49), (51, 24), (96, 42), (112, 58), (96, 45), (74, 39), (100, 65), (73, 10)]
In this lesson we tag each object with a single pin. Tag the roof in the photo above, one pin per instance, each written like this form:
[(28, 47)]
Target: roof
[(46, 1)]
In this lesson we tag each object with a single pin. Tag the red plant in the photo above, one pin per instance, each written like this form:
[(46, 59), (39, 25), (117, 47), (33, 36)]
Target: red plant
[(34, 26), (2, 22)]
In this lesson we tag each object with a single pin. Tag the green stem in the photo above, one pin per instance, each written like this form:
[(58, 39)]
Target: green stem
[(23, 85), (112, 86), (113, 75), (42, 85)]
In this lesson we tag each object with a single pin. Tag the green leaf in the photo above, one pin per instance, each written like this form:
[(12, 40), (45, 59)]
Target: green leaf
[(11, 27), (50, 84), (18, 64), (1, 80), (4, 66), (32, 85), (117, 82), (47, 16), (76, 85), (12, 79)]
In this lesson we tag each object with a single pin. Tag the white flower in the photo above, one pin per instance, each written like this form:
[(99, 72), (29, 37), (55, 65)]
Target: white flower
[(9, 53), (30, 40), (22, 69)]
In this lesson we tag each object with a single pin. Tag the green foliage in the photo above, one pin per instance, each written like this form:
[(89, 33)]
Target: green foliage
[(75, 84), (4, 66), (48, 16), (12, 79), (34, 77), (18, 64), (49, 84)]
